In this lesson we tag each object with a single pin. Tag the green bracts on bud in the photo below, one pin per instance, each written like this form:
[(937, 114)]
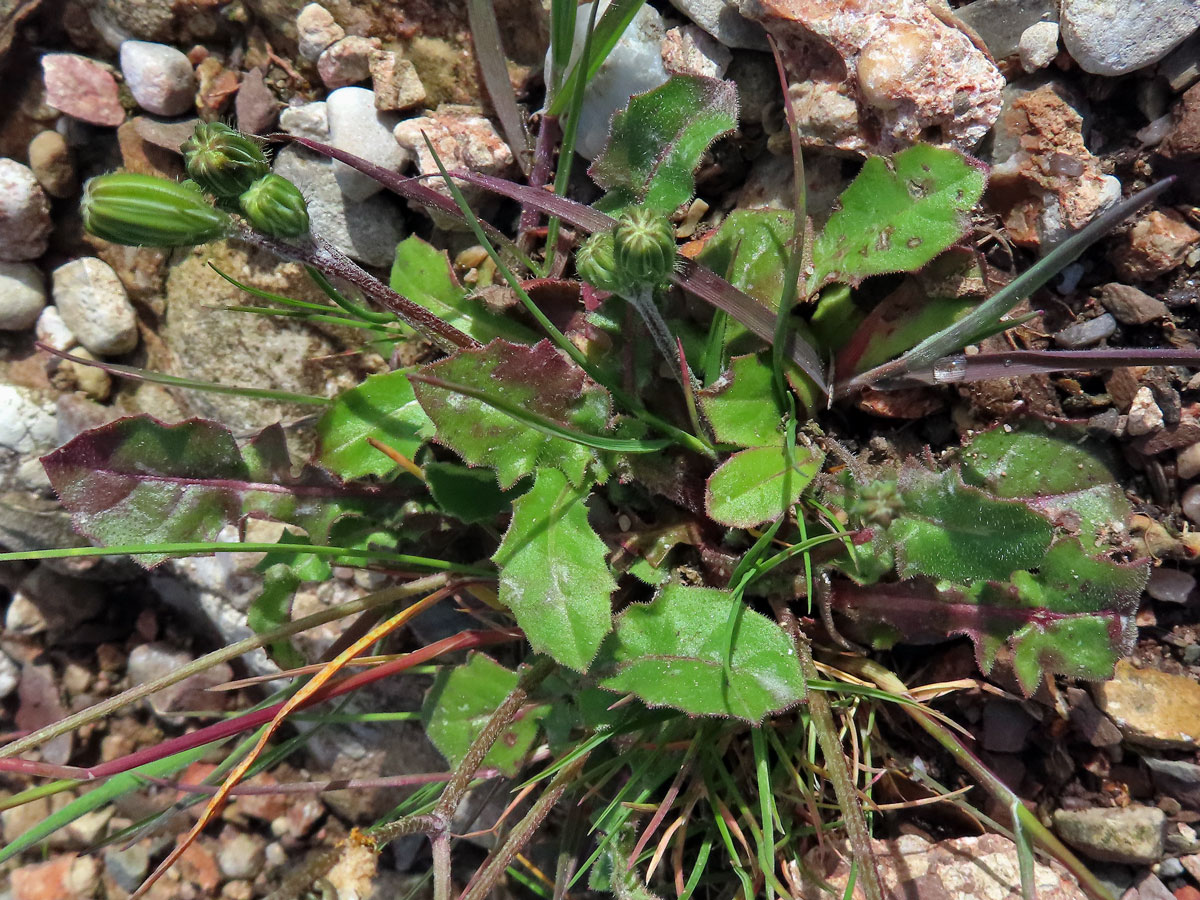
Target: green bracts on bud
[(144, 211), (223, 161), (644, 246), (274, 205), (596, 265)]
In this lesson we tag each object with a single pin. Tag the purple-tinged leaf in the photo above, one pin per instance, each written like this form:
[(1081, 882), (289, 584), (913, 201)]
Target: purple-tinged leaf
[(138, 481)]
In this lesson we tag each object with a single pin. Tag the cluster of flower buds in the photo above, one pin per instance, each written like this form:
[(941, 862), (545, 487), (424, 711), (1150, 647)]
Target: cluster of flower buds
[(223, 163), (638, 251)]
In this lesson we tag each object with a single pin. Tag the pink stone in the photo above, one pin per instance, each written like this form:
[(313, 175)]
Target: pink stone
[(875, 76), (82, 88)]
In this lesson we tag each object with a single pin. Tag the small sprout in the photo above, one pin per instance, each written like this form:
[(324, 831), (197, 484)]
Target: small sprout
[(877, 503), (596, 264), (141, 210), (644, 245), (224, 162), (275, 205)]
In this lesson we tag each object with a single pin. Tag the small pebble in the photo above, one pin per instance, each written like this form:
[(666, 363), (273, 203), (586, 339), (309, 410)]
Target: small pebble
[(1187, 462), (95, 383), (1131, 306), (310, 120), (241, 857), (347, 62), (1170, 585), (396, 82), (316, 30), (24, 214), (27, 425), (1038, 46), (1085, 334), (53, 331), (50, 162), (128, 866), (689, 50), (356, 125), (1145, 415), (22, 295), (1191, 504), (93, 304), (82, 88), (1169, 868), (1132, 835), (159, 77), (255, 105), (1112, 37), (9, 675)]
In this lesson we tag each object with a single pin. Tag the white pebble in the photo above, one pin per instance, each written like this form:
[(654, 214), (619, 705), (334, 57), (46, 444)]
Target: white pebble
[(22, 295), (356, 126), (53, 331), (1144, 414), (26, 424), (310, 120), (316, 30), (24, 213), (93, 304), (159, 77), (9, 675), (1191, 504), (1187, 462), (1038, 45)]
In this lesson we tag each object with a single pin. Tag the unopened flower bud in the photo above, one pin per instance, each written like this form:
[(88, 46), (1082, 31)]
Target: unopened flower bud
[(223, 161), (595, 263), (141, 210), (644, 245), (275, 205)]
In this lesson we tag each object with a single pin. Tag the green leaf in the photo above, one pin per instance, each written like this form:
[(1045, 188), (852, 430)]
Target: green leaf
[(282, 575), (138, 481), (750, 250), (951, 530), (424, 275), (740, 406), (749, 487), (553, 574), (538, 379), (383, 407), (460, 703), (470, 495), (897, 215), (672, 652), (656, 142)]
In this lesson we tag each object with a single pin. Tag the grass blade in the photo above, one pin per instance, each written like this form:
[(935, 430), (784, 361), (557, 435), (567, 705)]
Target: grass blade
[(608, 31), (489, 53)]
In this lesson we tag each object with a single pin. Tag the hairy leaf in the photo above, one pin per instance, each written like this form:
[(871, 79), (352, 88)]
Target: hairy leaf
[(461, 701), (673, 650), (539, 379), (383, 407), (656, 142), (749, 488), (750, 250), (470, 495), (553, 573), (423, 274), (740, 406), (897, 215), (138, 481)]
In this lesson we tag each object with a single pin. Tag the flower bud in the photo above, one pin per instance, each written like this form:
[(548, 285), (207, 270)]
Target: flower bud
[(223, 161), (644, 245), (141, 210), (595, 263), (275, 205)]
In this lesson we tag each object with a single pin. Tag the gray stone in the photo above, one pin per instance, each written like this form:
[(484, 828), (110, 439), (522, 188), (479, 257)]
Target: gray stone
[(366, 230), (396, 83), (347, 61), (722, 20), (1094, 726), (26, 424), (1131, 306), (24, 214), (256, 106), (316, 30), (357, 126), (1038, 46), (241, 856), (633, 67), (50, 161), (93, 304), (128, 867), (22, 295), (1133, 835), (1005, 727), (1111, 37), (159, 77), (1170, 585), (1176, 778), (10, 675), (1187, 462), (48, 601), (149, 662), (691, 51), (1085, 334), (1001, 23)]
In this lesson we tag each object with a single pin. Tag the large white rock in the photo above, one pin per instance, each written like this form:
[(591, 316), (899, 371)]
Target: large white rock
[(24, 213), (93, 304), (1111, 37), (357, 127), (159, 77), (22, 295)]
